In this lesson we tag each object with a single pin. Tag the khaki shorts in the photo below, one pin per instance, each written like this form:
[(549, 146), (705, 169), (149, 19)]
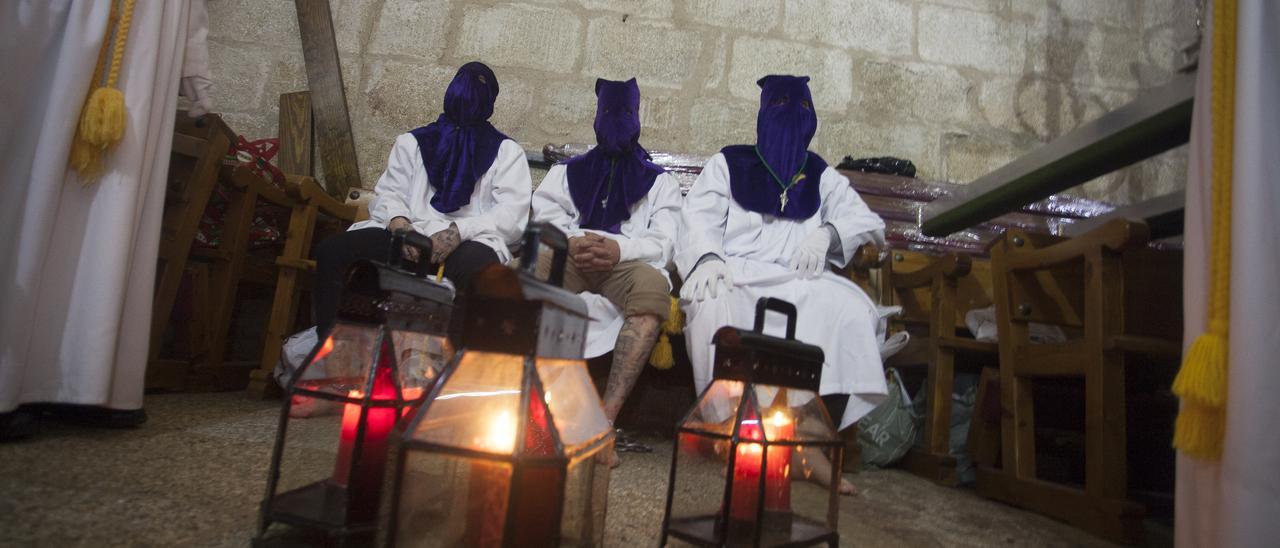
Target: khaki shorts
[(635, 287)]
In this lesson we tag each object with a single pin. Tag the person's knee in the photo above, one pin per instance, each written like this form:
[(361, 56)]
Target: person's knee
[(648, 293)]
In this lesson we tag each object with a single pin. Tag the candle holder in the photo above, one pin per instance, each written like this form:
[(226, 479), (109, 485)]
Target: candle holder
[(749, 457), (342, 407), (511, 446)]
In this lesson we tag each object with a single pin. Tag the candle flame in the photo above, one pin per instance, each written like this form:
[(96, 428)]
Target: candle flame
[(780, 419), (501, 437)]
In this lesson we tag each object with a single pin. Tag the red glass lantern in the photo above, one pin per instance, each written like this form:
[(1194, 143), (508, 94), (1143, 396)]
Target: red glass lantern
[(510, 448), (343, 406), (744, 463)]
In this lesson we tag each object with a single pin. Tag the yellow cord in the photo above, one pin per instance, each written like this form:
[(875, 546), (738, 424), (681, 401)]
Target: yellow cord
[(1202, 381), (102, 119)]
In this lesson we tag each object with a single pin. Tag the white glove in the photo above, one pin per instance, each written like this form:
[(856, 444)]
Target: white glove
[(705, 279), (811, 257)]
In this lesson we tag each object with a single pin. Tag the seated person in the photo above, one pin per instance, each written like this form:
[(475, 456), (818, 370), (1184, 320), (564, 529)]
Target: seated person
[(458, 180), (763, 220), (620, 212)]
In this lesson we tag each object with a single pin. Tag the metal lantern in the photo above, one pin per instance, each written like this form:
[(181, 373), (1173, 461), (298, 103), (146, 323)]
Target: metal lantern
[(742, 468), (384, 352), (511, 446)]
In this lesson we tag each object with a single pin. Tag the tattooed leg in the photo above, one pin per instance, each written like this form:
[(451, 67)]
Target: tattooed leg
[(635, 341)]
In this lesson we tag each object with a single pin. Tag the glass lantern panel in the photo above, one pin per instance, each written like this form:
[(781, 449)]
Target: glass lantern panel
[(575, 407), (309, 453), (716, 409), (790, 414), (697, 498), (585, 492), (478, 406), (807, 497), (451, 501), (420, 358), (340, 363)]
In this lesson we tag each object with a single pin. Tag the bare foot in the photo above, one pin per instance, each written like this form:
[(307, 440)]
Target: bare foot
[(817, 468), (614, 460), (303, 407)]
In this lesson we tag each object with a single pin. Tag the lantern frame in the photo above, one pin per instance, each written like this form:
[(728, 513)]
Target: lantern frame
[(757, 360), (381, 299), (513, 313)]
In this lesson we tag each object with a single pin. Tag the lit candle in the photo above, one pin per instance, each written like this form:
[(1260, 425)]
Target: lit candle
[(747, 468), (364, 483), (535, 498)]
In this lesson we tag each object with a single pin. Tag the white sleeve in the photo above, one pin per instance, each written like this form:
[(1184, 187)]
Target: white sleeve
[(704, 216), (845, 211), (654, 243), (553, 205), (512, 186), (391, 194)]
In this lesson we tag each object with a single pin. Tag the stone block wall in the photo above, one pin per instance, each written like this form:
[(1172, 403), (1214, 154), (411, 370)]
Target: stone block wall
[(958, 86)]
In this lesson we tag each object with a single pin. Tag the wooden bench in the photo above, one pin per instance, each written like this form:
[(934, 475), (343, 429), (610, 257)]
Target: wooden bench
[(935, 292), (1123, 300), (311, 206)]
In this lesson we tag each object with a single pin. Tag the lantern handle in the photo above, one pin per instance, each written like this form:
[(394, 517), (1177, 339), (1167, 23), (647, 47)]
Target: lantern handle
[(545, 233), (408, 236), (780, 306)]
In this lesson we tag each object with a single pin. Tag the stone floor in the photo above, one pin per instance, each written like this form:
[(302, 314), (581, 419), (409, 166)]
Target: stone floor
[(193, 476)]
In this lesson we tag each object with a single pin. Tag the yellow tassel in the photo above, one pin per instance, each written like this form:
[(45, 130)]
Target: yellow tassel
[(1203, 377), (662, 357), (675, 319), (102, 122), (85, 159), (1199, 431), (1202, 381)]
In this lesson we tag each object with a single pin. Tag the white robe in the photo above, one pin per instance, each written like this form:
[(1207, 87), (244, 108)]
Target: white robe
[(648, 236), (496, 215), (1236, 502), (833, 313), (77, 263)]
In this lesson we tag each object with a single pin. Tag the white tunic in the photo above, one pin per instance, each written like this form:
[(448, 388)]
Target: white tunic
[(496, 215), (648, 236), (1236, 501), (77, 263), (834, 314)]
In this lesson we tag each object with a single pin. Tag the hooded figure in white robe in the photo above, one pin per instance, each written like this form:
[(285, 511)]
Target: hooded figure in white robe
[(765, 220), (620, 212)]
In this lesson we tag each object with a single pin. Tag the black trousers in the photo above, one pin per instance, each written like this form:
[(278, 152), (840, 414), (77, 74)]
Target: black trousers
[(336, 254)]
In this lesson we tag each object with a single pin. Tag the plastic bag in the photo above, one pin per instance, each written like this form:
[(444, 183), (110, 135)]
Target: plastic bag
[(964, 397), (887, 432)]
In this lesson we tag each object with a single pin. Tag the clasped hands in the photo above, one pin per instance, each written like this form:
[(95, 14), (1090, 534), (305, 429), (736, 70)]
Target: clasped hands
[(592, 252), (442, 243)]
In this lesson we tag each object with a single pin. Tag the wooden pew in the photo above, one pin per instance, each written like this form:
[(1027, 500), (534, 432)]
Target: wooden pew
[(310, 206), (199, 145), (1124, 300), (935, 292)]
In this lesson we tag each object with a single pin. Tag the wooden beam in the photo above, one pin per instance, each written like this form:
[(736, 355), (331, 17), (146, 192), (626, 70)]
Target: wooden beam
[(297, 134), (1153, 123), (328, 97)]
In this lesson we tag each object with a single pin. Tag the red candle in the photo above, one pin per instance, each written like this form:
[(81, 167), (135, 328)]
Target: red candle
[(534, 500), (364, 483), (747, 469)]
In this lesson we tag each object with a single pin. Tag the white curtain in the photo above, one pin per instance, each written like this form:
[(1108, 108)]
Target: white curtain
[(1236, 502), (77, 262)]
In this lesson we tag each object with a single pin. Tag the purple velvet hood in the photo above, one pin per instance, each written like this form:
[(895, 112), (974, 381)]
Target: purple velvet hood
[(458, 148), (784, 127), (606, 181)]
